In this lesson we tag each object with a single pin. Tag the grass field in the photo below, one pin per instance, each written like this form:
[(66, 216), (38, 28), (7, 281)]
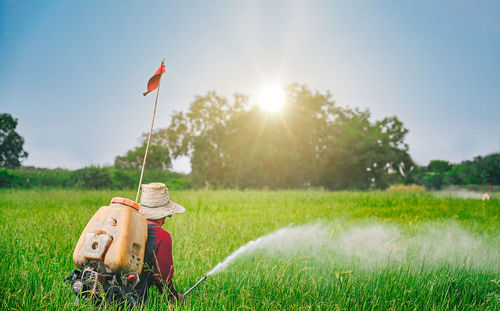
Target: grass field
[(345, 250)]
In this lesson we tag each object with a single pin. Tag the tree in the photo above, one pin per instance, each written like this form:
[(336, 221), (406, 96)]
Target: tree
[(158, 156), (311, 142), (11, 143), (439, 166), (481, 170), (202, 134), (362, 154), (490, 165)]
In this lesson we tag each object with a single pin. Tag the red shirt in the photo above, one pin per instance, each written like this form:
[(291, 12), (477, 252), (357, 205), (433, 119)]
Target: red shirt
[(162, 258)]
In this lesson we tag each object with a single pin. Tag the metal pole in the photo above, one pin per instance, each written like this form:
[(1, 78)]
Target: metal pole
[(149, 139), (196, 284)]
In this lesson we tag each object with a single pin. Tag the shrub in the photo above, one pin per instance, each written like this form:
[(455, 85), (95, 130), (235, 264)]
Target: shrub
[(406, 188), (43, 177), (8, 179), (122, 179), (91, 177), (433, 181)]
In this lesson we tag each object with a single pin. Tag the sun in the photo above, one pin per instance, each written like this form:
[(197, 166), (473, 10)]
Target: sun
[(271, 98)]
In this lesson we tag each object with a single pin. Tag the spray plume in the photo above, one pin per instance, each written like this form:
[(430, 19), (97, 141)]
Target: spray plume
[(245, 249), (374, 246)]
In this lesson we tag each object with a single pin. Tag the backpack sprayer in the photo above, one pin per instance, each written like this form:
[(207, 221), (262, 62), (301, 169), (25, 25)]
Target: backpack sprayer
[(110, 254)]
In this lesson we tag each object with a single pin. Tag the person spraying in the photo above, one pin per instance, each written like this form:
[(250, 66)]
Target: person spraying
[(123, 250), (156, 206)]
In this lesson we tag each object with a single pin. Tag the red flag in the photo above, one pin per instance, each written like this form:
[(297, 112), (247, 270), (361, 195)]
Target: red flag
[(155, 79)]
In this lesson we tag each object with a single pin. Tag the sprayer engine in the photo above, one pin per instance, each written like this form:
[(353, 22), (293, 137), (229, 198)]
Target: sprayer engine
[(103, 288), (110, 254)]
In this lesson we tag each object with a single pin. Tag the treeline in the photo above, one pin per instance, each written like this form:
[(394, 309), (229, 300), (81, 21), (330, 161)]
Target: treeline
[(479, 171), (92, 177), (311, 142)]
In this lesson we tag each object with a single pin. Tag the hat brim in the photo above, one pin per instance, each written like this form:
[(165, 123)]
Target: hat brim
[(159, 212)]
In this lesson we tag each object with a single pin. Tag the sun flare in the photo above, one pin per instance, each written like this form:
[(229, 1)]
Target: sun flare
[(271, 98)]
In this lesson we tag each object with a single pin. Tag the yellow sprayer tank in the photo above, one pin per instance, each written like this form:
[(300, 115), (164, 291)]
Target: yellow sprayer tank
[(114, 240)]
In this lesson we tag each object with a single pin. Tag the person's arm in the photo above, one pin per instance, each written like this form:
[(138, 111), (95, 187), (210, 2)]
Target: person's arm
[(164, 270)]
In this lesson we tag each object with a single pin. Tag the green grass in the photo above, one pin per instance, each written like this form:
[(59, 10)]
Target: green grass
[(39, 229)]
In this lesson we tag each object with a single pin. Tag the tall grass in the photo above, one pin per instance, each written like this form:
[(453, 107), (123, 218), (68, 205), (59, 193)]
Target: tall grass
[(40, 228)]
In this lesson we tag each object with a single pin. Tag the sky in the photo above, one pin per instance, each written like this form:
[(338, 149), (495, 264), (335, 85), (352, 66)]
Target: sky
[(73, 72)]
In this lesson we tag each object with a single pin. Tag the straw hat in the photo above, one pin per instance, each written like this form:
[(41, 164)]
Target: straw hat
[(156, 203)]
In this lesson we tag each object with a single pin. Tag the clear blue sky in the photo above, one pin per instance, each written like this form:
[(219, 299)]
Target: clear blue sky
[(73, 72)]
